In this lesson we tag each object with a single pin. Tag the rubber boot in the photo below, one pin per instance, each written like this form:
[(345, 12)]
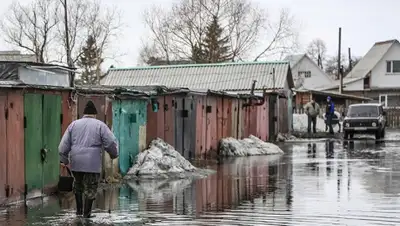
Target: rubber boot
[(87, 211), (79, 204)]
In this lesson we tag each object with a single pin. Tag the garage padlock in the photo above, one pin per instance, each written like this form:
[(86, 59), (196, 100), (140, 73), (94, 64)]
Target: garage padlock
[(43, 155)]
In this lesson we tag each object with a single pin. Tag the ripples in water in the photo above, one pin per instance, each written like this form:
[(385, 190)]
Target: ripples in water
[(312, 184)]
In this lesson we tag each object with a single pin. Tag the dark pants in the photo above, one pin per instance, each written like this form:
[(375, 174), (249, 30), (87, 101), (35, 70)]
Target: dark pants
[(86, 183), (313, 121), (329, 123)]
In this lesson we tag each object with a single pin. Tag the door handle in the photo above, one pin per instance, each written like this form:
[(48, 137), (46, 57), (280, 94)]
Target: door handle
[(43, 155)]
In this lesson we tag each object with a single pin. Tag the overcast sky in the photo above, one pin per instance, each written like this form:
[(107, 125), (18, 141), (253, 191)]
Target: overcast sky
[(363, 22)]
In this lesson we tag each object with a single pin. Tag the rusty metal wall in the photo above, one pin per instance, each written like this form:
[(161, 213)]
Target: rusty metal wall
[(200, 127), (189, 127), (162, 123), (283, 115), (234, 118), (153, 122), (185, 125), (179, 103), (99, 102), (67, 109), (15, 143), (108, 112), (227, 127), (263, 120), (212, 133), (3, 148), (169, 120)]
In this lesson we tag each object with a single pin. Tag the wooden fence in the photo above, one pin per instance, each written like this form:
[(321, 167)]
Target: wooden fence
[(300, 110), (393, 117)]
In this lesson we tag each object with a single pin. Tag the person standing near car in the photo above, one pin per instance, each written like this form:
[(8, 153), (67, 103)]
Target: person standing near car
[(329, 113), (82, 146), (312, 110)]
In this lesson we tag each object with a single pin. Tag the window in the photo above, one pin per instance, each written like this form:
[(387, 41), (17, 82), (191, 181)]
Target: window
[(305, 74), (393, 66), (383, 99), (363, 111), (366, 83)]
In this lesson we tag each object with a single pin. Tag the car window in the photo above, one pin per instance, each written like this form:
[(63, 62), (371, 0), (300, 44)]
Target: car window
[(363, 111)]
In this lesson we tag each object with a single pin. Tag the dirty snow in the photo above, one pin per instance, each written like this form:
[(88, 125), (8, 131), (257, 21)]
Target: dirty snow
[(281, 137), (248, 146), (160, 160), (300, 123)]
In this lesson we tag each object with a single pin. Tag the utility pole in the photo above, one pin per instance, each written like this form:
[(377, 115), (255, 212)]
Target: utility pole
[(350, 61), (339, 74), (67, 44)]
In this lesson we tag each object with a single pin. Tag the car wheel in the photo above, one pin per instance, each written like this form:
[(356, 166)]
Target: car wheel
[(378, 135)]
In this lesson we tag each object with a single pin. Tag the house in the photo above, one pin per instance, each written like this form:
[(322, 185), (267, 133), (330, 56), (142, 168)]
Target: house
[(16, 56), (306, 73), (376, 75), (228, 77)]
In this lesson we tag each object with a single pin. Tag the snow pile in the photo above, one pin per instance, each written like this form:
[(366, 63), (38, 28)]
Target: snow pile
[(160, 160), (300, 122), (248, 146), (285, 137)]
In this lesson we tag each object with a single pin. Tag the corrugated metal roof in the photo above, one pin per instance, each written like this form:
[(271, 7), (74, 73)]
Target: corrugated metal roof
[(371, 59), (294, 59), (9, 82), (16, 56), (222, 76)]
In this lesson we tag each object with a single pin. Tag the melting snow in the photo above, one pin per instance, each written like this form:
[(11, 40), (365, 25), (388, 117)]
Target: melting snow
[(248, 146), (160, 159), (300, 123)]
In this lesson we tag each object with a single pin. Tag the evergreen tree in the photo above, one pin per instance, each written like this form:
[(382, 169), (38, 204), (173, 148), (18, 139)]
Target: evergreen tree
[(90, 62), (215, 45), (198, 54)]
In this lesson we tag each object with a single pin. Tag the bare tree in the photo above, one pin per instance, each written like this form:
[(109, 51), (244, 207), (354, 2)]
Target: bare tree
[(159, 47), (331, 66), (176, 32), (30, 27), (105, 25), (42, 28), (316, 50), (283, 36)]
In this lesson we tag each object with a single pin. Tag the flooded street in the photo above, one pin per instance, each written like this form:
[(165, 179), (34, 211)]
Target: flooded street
[(314, 183)]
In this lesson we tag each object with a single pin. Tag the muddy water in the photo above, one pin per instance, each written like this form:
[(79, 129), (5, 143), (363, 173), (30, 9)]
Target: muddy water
[(321, 183)]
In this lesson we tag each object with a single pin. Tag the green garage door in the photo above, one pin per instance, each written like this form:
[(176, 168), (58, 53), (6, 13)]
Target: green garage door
[(42, 119)]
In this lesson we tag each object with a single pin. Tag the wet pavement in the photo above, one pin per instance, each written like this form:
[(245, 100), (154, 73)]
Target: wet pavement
[(314, 183)]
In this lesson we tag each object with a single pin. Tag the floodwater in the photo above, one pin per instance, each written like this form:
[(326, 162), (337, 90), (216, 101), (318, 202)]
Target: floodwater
[(314, 183)]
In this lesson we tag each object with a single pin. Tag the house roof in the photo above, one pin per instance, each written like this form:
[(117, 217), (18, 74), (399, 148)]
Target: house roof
[(294, 59), (371, 59), (333, 94), (16, 56), (335, 83), (9, 69), (219, 76)]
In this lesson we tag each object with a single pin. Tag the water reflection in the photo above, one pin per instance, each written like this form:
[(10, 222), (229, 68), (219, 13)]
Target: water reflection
[(358, 187)]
